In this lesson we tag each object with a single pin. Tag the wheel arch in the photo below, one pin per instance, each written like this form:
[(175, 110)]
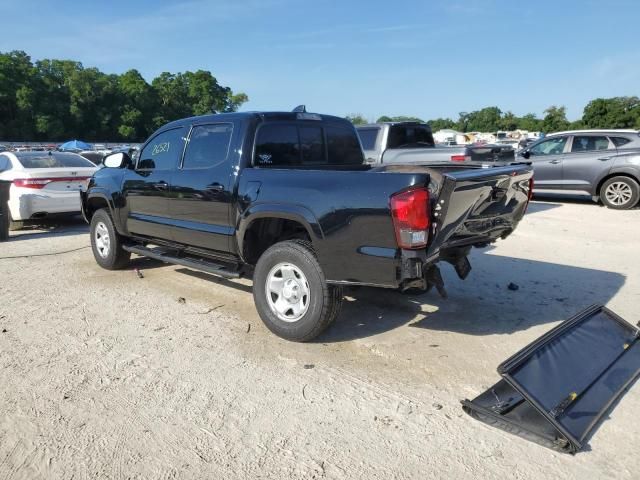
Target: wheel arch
[(283, 222), (616, 173)]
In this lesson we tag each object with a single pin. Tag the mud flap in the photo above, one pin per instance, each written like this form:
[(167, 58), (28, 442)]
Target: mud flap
[(556, 390)]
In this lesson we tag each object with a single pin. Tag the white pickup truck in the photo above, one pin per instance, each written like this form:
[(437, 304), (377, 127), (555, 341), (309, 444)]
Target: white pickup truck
[(411, 143)]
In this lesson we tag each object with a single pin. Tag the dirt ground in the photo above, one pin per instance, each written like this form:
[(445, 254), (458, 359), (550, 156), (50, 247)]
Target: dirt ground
[(107, 375)]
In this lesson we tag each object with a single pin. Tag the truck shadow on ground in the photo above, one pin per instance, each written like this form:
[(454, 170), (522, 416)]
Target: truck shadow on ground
[(481, 305)]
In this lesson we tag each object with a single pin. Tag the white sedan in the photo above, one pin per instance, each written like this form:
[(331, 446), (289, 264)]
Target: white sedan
[(44, 183)]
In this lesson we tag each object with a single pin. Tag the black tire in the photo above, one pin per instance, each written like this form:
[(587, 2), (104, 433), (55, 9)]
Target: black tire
[(114, 257), (324, 300), (629, 193)]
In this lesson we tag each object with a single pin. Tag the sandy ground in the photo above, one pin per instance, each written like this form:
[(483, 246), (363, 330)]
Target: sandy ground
[(106, 375)]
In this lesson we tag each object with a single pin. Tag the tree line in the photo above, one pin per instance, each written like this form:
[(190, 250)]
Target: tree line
[(54, 100), (616, 112)]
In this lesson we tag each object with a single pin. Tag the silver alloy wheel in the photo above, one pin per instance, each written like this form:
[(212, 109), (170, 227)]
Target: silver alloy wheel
[(618, 193), (103, 242), (288, 292)]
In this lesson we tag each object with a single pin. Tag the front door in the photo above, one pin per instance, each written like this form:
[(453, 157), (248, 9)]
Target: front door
[(200, 198), (547, 157), (146, 188)]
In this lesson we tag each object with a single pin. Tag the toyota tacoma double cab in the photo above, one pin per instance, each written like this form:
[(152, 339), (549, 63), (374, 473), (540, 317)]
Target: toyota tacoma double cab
[(287, 199)]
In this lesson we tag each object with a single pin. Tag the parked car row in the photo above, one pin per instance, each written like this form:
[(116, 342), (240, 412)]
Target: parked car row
[(603, 164)]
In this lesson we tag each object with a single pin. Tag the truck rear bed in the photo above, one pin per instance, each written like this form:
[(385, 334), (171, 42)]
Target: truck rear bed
[(474, 205)]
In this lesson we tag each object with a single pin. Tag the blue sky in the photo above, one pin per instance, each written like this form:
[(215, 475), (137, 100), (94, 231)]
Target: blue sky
[(424, 58)]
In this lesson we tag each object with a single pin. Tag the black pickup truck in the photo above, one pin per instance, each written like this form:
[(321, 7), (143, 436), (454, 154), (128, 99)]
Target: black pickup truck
[(286, 197)]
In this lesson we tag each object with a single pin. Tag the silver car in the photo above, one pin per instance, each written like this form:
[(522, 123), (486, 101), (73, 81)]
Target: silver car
[(604, 164)]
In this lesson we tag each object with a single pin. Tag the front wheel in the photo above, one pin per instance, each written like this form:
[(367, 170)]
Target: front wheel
[(620, 193), (291, 294), (106, 244)]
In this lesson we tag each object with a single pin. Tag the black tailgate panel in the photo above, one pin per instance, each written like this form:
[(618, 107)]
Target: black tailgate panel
[(555, 390)]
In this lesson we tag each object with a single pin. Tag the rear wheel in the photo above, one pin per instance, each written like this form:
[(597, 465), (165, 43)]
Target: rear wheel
[(291, 294), (106, 244), (620, 193)]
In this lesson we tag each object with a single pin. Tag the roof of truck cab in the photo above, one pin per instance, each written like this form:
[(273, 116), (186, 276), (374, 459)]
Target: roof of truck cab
[(221, 117)]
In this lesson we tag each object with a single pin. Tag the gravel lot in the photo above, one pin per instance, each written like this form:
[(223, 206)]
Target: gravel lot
[(106, 375)]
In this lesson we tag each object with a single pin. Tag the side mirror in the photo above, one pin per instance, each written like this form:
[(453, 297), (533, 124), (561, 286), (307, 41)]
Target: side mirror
[(117, 160), (525, 154)]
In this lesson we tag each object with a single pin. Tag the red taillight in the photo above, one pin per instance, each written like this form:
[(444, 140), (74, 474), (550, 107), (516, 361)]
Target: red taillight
[(410, 213), (460, 158), (31, 182), (42, 182)]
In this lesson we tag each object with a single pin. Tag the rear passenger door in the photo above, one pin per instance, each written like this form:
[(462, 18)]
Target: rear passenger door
[(200, 199), (146, 187), (588, 159)]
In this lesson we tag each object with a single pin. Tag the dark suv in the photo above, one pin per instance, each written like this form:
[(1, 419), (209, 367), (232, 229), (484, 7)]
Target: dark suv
[(604, 164)]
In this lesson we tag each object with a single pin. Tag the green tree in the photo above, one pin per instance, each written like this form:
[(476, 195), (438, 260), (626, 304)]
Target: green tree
[(399, 118), (484, 120), (530, 123), (356, 119), (616, 112), (555, 119), (441, 124)]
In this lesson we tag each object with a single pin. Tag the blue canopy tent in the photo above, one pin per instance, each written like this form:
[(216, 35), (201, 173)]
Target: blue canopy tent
[(75, 146)]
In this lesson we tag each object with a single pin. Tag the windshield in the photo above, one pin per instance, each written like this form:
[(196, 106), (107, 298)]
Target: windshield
[(54, 160)]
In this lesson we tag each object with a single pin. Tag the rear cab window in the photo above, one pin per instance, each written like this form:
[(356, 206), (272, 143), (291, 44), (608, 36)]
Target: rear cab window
[(410, 136), (53, 160), (368, 137), (306, 145)]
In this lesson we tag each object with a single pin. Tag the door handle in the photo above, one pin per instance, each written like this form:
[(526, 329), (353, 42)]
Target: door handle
[(161, 185), (604, 159), (555, 162)]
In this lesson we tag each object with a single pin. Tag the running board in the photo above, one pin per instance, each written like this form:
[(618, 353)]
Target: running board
[(194, 263)]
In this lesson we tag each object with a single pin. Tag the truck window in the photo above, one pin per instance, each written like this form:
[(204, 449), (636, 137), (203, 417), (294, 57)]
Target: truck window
[(368, 137), (280, 144), (163, 151), (588, 143), (410, 136), (312, 146), (277, 145), (343, 147), (208, 146)]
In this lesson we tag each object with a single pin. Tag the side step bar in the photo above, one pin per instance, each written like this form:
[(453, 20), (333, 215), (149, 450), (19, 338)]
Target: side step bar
[(195, 263)]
